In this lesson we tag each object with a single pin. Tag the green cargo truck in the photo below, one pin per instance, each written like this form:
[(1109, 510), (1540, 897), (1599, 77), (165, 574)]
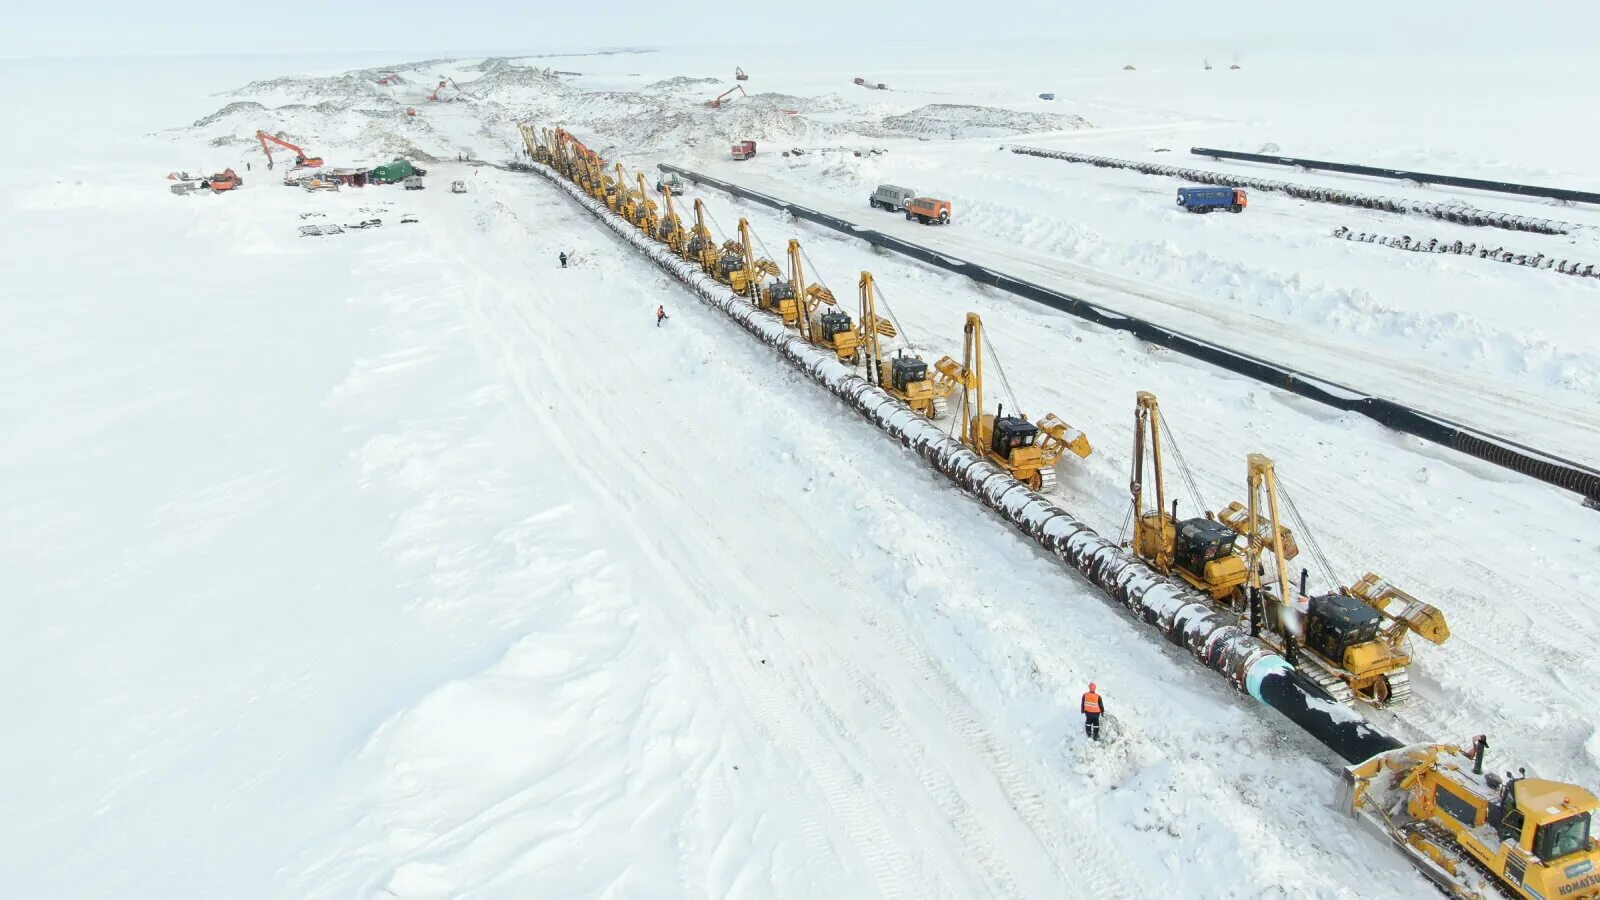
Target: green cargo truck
[(397, 171)]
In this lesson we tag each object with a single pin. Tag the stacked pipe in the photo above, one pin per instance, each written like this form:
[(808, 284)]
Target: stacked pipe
[(1459, 213), (1498, 254), (1182, 616), (1476, 184)]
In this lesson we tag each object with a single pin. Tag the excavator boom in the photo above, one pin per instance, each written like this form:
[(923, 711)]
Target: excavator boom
[(300, 157)]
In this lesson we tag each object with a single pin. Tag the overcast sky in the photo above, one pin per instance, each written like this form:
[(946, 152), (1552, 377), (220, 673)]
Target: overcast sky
[(113, 27)]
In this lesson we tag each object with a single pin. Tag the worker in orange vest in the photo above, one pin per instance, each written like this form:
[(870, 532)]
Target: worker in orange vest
[(1092, 707)]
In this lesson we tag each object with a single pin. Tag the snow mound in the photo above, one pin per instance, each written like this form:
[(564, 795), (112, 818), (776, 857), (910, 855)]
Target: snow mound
[(678, 82), (349, 86), (954, 120)]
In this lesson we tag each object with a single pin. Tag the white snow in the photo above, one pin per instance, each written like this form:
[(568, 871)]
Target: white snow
[(401, 563)]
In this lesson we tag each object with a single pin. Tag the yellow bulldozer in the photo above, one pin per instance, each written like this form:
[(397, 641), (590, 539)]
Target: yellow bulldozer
[(702, 247), (1028, 450), (1478, 835), (1201, 550), (1351, 641), (904, 376), (671, 231), (645, 214), (737, 265)]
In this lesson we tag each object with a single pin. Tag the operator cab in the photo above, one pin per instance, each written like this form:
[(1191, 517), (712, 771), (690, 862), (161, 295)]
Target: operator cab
[(1201, 541), (731, 262), (1338, 622), (906, 371), (780, 290), (1012, 433), (833, 324)]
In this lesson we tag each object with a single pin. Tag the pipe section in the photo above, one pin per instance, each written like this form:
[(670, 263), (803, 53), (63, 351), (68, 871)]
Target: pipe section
[(1460, 213), (1476, 184), (1183, 617)]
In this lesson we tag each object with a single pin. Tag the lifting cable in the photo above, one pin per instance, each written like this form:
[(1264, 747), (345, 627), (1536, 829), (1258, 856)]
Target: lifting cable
[(818, 272), (1183, 467), (894, 319), (1310, 541), (1000, 370)]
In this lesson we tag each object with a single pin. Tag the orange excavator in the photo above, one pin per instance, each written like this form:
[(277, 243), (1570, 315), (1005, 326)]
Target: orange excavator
[(436, 96), (300, 157), (716, 103)]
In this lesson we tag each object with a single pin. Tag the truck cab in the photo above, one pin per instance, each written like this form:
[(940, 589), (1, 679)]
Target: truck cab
[(1535, 834)]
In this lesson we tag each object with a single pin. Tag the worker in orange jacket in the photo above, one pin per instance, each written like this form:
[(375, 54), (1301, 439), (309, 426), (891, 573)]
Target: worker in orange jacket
[(661, 313), (1092, 707)]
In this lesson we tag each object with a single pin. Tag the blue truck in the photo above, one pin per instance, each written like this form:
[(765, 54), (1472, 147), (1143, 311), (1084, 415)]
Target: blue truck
[(1206, 199)]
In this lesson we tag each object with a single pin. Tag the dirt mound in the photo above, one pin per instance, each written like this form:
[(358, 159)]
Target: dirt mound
[(954, 121)]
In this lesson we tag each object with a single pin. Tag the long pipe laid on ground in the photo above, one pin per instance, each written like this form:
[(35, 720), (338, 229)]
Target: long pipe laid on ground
[(1184, 617)]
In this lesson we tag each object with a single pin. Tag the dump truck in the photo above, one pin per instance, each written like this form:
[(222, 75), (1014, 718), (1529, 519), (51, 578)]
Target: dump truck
[(1206, 199), (744, 149)]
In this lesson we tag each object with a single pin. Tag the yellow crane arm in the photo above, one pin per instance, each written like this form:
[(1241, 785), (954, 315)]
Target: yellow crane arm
[(1423, 619)]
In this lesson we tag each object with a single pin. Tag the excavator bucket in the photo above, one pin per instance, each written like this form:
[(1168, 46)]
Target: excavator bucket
[(1064, 435), (1422, 619)]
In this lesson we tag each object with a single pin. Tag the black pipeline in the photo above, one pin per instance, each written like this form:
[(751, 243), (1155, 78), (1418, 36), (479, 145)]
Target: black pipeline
[(1183, 617), (1518, 457)]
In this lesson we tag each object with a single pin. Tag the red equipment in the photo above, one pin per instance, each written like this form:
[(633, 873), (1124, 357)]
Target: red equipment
[(300, 157), (744, 149), (717, 102)]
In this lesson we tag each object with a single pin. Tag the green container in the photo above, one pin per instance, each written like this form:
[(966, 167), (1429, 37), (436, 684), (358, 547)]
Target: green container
[(389, 173)]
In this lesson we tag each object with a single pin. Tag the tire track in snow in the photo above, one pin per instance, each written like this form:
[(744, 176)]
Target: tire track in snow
[(889, 867)]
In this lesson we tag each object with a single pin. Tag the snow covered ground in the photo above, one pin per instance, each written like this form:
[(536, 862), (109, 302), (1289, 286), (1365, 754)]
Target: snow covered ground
[(401, 563)]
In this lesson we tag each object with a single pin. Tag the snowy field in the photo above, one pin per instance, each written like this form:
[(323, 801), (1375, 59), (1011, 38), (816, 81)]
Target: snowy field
[(401, 563)]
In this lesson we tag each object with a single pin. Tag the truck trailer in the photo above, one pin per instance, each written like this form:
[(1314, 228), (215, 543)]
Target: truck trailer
[(1206, 199)]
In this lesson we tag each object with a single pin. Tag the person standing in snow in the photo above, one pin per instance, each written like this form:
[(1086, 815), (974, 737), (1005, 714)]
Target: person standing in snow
[(661, 313), (563, 259), (1092, 707)]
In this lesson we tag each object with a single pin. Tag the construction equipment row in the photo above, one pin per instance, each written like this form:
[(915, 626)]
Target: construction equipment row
[(1474, 835)]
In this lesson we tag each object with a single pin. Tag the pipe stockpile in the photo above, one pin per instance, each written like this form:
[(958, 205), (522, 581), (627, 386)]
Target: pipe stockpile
[(1182, 616), (1547, 467), (1477, 184), (1498, 254), (1459, 213)]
